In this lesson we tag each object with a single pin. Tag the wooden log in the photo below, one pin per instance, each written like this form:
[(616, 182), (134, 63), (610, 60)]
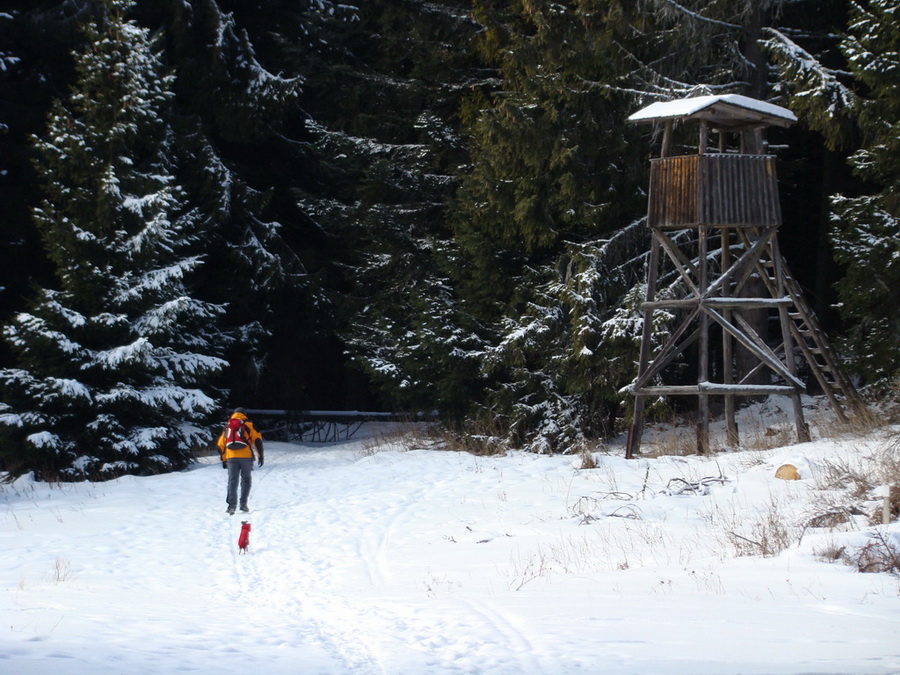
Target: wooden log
[(714, 389), (667, 139), (730, 303)]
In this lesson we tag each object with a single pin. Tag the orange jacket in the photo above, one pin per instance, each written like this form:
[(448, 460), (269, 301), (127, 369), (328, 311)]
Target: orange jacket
[(255, 442)]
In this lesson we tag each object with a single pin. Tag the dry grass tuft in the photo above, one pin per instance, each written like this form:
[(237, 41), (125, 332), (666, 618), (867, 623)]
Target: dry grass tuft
[(768, 535), (473, 437), (61, 571), (851, 486), (483, 436), (402, 438), (588, 458)]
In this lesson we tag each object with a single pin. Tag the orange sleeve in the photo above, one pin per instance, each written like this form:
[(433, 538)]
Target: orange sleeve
[(254, 434)]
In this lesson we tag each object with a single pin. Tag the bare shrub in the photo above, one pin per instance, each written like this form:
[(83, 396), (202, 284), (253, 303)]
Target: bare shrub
[(893, 506), (839, 475), (833, 517), (852, 485), (879, 554), (61, 571), (888, 464), (768, 535), (887, 472), (830, 552)]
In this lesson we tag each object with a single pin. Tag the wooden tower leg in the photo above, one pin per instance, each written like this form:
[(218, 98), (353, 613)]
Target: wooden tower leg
[(636, 430), (703, 366), (633, 444), (732, 437)]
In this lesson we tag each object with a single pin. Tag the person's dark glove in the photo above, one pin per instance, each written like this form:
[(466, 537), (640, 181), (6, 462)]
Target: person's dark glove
[(259, 450), (224, 464)]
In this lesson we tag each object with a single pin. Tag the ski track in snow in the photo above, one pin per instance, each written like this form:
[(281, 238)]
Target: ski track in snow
[(292, 583), (358, 527)]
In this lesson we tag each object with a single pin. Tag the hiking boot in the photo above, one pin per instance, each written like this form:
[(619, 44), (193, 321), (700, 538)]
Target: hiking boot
[(230, 510), (245, 508)]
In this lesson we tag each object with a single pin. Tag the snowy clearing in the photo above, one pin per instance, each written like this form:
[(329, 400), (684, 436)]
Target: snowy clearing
[(366, 558)]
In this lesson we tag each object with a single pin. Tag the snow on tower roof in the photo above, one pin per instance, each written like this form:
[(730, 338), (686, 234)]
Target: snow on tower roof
[(724, 110)]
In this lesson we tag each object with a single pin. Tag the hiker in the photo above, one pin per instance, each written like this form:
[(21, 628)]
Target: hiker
[(236, 447)]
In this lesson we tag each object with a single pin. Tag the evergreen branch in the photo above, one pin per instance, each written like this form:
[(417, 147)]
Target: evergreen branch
[(700, 17), (663, 85), (788, 44), (816, 93)]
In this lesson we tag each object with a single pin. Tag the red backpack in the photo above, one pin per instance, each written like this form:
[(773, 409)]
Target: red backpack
[(237, 435)]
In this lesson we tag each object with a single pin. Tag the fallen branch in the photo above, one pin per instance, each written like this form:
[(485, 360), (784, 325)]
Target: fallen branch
[(680, 486)]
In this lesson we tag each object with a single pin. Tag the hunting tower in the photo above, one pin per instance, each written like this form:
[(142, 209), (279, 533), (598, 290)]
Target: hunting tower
[(714, 217)]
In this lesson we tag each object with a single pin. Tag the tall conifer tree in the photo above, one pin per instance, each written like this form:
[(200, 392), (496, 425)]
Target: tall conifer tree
[(242, 152), (385, 103), (866, 229), (554, 173), (115, 363)]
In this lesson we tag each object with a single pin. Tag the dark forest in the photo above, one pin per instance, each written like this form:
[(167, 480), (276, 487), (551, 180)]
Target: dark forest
[(397, 205)]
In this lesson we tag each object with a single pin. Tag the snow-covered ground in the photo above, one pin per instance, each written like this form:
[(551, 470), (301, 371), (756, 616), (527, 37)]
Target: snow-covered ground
[(369, 558)]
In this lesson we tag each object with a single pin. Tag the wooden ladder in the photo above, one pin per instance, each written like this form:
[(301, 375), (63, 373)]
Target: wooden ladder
[(811, 340)]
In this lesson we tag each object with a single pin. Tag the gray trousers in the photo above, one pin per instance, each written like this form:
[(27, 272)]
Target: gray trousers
[(239, 469)]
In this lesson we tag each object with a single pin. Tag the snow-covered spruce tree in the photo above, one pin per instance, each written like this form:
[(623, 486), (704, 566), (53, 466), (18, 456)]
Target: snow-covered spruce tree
[(114, 364), (553, 170), (866, 229), (564, 360), (387, 139), (241, 154), (843, 100), (34, 61)]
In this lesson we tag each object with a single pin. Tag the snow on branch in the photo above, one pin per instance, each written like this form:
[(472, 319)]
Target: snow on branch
[(44, 440), (69, 389), (699, 17), (169, 398), (817, 94), (118, 357)]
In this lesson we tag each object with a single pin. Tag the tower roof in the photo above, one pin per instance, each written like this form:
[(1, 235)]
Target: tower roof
[(724, 111)]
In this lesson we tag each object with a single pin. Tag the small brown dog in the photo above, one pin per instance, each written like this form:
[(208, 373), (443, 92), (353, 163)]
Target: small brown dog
[(244, 538)]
